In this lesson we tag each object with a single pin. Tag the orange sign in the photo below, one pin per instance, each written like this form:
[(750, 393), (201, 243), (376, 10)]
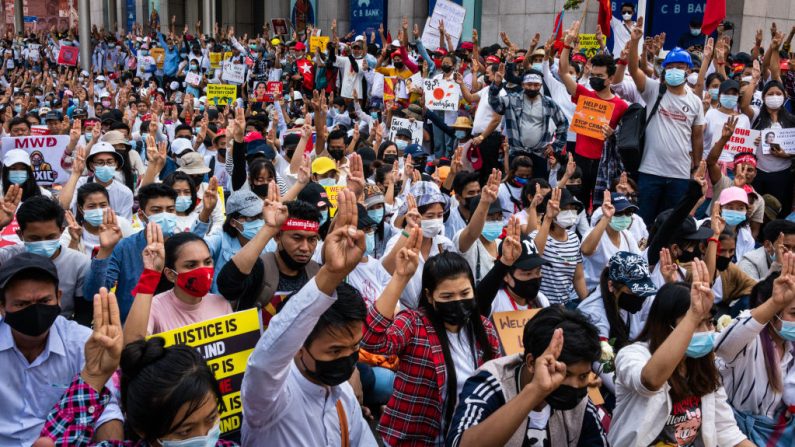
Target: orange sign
[(160, 56), (590, 115)]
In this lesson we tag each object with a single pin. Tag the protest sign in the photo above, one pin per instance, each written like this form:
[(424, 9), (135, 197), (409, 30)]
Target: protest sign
[(45, 156), (159, 55), (273, 88), (590, 115), (415, 127), (316, 42), (333, 192), (234, 73), (280, 26), (226, 344), (441, 94), (389, 88), (589, 45), (785, 138), (453, 17), (68, 56), (215, 59), (743, 140), (39, 129), (221, 94), (192, 78), (510, 328)]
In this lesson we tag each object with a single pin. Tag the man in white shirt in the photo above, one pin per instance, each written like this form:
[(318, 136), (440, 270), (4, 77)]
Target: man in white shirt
[(622, 28)]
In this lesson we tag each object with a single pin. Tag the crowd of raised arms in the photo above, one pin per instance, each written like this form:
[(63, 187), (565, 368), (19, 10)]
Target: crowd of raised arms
[(379, 230)]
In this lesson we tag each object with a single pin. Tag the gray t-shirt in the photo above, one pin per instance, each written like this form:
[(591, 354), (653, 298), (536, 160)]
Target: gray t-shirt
[(72, 267), (531, 123)]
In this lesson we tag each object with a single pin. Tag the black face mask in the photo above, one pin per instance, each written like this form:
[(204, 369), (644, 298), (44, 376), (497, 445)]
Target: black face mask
[(566, 397), (527, 289), (531, 93), (456, 313), (688, 256), (398, 65), (291, 263), (629, 302), (332, 372), (447, 68), (337, 154), (722, 263), (33, 320), (574, 189), (289, 153), (597, 84), (390, 159), (260, 190)]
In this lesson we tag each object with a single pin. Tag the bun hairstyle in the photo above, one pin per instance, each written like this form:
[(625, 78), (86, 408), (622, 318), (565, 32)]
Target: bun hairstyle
[(156, 381)]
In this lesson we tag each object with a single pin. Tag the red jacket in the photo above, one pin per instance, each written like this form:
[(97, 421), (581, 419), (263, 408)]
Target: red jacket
[(413, 415)]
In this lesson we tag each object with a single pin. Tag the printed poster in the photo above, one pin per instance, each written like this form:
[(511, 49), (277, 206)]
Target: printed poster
[(45, 156), (221, 94), (441, 94), (590, 115), (785, 138)]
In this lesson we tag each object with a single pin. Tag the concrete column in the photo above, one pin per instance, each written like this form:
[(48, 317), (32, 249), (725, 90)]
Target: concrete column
[(19, 20), (111, 14), (121, 17), (165, 17), (207, 17), (85, 32)]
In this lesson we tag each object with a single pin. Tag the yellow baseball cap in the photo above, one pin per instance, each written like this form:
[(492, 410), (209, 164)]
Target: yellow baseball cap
[(322, 165), (275, 41)]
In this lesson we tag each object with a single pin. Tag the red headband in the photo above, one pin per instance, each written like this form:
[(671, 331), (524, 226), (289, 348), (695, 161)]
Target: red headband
[(300, 225), (745, 158)]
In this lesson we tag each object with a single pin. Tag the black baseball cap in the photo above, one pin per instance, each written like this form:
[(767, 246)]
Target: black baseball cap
[(314, 194), (529, 259), (494, 207), (27, 261)]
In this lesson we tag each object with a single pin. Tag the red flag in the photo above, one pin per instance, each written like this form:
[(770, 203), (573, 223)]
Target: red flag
[(558, 30), (604, 17), (307, 71), (714, 13)]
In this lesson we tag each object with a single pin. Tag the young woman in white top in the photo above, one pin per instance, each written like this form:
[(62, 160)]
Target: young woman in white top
[(477, 241), (189, 205), (82, 233), (755, 355), (668, 389)]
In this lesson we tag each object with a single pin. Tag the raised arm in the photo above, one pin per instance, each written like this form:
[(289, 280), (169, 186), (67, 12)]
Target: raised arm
[(154, 255), (634, 68), (563, 69), (473, 229)]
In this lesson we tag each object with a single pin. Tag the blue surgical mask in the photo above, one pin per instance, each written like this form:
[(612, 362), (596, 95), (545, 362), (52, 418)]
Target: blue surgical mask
[(460, 134), (323, 216), (329, 181), (104, 173), (18, 176), (369, 240), (492, 229), (167, 222), (376, 215), (374, 116), (94, 217), (251, 228), (88, 136), (713, 93), (729, 101), (674, 77), (733, 217), (787, 331), (43, 248), (620, 223), (401, 144), (183, 203), (208, 440), (538, 66), (701, 344)]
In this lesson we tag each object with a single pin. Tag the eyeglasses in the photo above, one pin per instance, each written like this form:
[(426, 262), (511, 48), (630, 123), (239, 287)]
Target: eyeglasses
[(108, 163)]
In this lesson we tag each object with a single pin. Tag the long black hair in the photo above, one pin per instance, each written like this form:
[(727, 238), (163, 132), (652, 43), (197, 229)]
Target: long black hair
[(83, 192), (618, 329), (29, 189), (444, 266), (785, 118), (178, 176)]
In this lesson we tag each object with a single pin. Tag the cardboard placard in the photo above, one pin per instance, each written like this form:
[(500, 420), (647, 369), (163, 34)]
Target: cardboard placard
[(226, 344), (415, 127), (333, 192), (785, 138), (280, 26), (441, 94), (590, 115), (45, 156), (453, 16), (159, 55), (589, 45), (68, 56), (742, 141), (316, 42), (193, 78), (234, 73), (221, 94)]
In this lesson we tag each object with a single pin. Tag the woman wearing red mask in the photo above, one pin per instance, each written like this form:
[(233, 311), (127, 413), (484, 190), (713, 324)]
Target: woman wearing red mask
[(184, 261)]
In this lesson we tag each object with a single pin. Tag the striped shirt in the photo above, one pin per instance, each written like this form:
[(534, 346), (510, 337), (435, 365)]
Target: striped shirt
[(557, 277)]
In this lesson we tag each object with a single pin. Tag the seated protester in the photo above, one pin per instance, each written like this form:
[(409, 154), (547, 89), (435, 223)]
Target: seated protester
[(131, 169), (102, 162), (375, 204), (759, 262), (447, 322), (563, 279), (571, 180), (668, 389), (629, 189), (17, 170), (744, 174), (609, 236), (537, 398), (41, 223), (324, 172), (316, 195), (171, 396), (514, 281), (268, 279), (118, 262), (730, 285), (424, 208), (299, 368), (533, 194), (188, 206), (755, 357), (734, 211), (520, 172), (477, 241), (465, 185), (41, 352), (369, 276), (619, 307), (185, 261), (82, 232)]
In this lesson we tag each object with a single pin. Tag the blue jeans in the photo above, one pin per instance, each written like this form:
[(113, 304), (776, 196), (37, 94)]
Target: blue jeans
[(442, 144), (377, 383), (657, 194)]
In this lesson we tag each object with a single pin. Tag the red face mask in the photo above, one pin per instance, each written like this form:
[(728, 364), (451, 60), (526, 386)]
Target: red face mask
[(196, 282)]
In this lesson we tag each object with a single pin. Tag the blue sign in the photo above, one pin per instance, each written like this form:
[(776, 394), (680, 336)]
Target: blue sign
[(30, 19), (130, 14), (366, 16), (673, 18)]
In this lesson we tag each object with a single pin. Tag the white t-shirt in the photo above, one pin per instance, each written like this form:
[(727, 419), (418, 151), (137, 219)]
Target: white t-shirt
[(463, 358), (669, 133), (507, 194), (715, 119), (478, 256), (637, 227), (484, 113), (370, 279), (504, 303)]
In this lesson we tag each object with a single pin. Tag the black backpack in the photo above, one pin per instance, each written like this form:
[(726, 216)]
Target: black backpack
[(631, 134)]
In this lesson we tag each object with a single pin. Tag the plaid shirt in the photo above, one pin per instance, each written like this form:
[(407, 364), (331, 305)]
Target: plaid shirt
[(413, 415), (71, 422), (511, 106)]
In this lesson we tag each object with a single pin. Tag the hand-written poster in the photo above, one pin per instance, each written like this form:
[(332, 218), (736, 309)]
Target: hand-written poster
[(441, 94), (743, 140), (590, 115), (318, 42), (234, 73), (45, 153), (415, 127), (453, 17)]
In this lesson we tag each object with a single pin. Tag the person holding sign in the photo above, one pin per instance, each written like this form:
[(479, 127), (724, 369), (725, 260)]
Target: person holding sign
[(668, 388), (171, 396), (294, 390), (716, 117), (538, 397)]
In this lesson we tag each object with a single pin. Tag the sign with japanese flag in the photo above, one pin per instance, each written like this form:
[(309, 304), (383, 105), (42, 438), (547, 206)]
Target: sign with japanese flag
[(441, 94), (68, 56)]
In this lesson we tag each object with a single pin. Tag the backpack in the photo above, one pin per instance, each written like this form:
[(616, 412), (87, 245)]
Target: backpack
[(631, 134)]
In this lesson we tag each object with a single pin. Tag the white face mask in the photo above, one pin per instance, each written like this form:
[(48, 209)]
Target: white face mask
[(626, 16), (774, 102), (692, 78), (566, 218), (432, 227)]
